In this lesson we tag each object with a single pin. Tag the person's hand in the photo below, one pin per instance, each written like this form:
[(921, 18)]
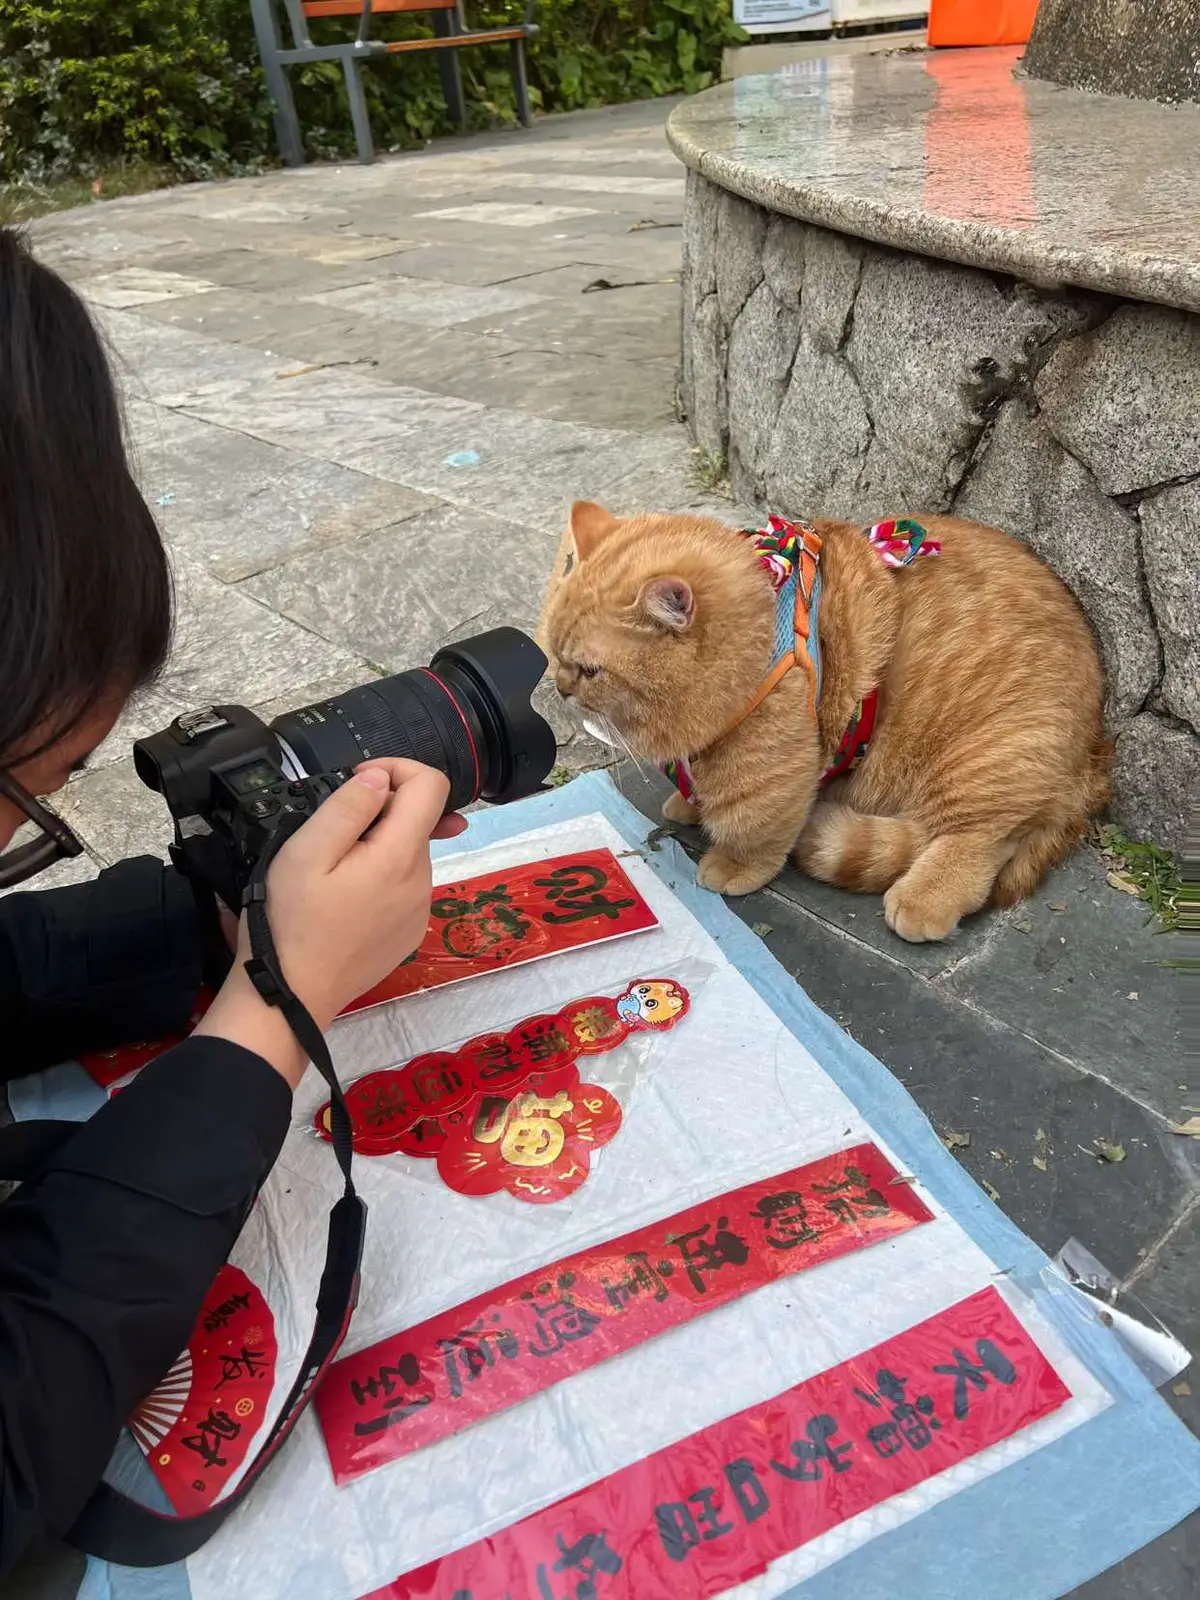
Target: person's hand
[(344, 910)]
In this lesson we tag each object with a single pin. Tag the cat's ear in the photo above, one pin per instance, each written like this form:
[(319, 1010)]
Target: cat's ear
[(589, 524), (669, 602)]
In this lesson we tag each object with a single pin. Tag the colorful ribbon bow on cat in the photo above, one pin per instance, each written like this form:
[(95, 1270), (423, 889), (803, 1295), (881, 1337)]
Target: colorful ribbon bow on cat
[(778, 547), (900, 543)]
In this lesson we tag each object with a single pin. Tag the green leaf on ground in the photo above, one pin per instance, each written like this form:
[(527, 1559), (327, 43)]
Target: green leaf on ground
[(1109, 1152), (1145, 870)]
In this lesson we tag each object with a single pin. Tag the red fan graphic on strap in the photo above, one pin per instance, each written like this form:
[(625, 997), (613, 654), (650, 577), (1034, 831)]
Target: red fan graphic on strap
[(196, 1427)]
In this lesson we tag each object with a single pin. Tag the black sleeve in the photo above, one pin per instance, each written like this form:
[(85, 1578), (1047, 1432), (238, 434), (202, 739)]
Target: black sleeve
[(105, 1258), (96, 964)]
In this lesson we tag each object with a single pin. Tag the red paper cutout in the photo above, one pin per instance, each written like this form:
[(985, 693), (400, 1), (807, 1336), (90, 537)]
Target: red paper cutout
[(196, 1427), (480, 1358), (535, 1142), (517, 914), (714, 1510), (384, 1106)]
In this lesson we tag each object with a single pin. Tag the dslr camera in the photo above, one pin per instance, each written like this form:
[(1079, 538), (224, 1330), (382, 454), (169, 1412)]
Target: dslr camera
[(230, 780)]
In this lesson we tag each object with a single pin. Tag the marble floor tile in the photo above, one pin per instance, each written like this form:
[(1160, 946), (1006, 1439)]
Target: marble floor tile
[(600, 183), (396, 596), (499, 214), (333, 413), (227, 649), (237, 505), (138, 286), (424, 302)]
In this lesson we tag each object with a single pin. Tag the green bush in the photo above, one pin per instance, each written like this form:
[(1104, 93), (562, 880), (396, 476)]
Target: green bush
[(177, 82)]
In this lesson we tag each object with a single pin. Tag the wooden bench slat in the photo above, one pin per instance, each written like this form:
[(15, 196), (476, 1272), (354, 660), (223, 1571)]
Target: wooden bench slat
[(353, 8), (492, 36)]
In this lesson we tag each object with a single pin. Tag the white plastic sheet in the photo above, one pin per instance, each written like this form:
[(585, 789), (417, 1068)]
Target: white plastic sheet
[(732, 1097)]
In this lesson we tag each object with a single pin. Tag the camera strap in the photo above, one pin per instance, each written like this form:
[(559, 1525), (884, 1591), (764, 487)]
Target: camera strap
[(116, 1528)]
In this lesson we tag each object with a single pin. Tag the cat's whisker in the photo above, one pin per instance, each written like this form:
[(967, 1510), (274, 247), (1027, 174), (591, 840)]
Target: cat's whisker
[(639, 762)]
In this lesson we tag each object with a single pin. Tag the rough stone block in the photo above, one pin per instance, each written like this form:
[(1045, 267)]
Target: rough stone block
[(741, 234), (821, 438), (1027, 484), (932, 346), (1119, 47), (832, 268), (762, 346), (700, 235), (1123, 398), (783, 259), (1156, 781), (707, 405), (1169, 524)]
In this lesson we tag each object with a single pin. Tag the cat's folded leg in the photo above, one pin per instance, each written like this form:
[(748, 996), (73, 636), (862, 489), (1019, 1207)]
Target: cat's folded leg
[(951, 877), (749, 846), (726, 874), (677, 809)]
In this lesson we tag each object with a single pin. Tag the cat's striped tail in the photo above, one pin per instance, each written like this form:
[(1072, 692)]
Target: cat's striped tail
[(856, 851)]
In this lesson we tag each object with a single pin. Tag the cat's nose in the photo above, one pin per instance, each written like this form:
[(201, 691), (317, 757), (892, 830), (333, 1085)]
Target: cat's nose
[(566, 681)]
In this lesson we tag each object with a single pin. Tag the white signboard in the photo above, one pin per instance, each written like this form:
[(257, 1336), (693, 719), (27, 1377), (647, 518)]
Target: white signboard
[(781, 16)]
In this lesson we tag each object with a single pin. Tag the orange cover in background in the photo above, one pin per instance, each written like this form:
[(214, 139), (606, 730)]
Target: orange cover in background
[(966, 22)]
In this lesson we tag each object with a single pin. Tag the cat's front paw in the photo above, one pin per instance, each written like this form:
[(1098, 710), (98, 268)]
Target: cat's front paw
[(677, 809), (917, 919), (723, 875)]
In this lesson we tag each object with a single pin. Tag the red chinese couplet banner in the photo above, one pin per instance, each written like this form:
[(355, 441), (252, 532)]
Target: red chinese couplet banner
[(514, 915), (196, 1427), (717, 1508), (482, 1357), (500, 919)]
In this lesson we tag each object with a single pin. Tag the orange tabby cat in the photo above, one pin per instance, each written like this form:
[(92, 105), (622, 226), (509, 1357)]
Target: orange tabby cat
[(987, 757)]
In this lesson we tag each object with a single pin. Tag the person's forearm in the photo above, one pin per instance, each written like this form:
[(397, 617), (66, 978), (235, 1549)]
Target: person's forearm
[(240, 1015), (105, 1257)]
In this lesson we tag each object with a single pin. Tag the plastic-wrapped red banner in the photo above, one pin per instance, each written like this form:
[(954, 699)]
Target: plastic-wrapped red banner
[(481, 1357), (717, 1508), (514, 915), (386, 1106), (499, 919)]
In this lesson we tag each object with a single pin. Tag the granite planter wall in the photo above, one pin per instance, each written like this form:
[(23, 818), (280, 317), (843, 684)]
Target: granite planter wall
[(846, 378)]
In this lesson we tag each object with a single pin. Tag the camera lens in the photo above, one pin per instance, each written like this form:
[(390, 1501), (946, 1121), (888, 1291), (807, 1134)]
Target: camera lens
[(468, 714)]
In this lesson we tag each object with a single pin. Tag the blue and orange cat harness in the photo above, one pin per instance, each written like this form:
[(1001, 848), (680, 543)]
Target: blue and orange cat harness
[(790, 553)]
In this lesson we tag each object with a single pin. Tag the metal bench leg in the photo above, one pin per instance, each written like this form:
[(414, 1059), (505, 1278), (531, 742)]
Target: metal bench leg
[(521, 84), (444, 28), (359, 115), (287, 124)]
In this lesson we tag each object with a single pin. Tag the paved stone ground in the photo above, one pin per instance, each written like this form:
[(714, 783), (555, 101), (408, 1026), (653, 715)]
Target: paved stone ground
[(362, 400)]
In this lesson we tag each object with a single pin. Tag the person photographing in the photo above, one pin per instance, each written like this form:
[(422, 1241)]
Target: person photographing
[(107, 1249)]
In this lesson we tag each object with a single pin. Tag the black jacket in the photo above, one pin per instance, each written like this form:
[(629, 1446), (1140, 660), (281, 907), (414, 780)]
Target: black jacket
[(106, 1254)]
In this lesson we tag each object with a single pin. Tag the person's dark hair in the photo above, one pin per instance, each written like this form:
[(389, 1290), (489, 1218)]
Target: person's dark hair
[(85, 589)]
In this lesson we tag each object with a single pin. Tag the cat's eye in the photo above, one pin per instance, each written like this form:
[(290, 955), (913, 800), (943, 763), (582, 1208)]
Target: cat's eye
[(588, 672)]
